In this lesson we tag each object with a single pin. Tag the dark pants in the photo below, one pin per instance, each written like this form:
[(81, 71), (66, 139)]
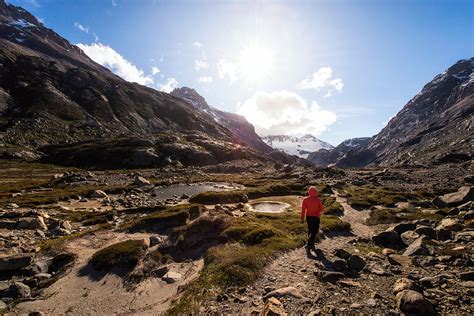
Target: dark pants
[(313, 228)]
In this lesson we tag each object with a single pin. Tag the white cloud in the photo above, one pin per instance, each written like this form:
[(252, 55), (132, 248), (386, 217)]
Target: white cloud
[(81, 27), (96, 38), (197, 44), (108, 57), (169, 85), (228, 69), (114, 3), (284, 112), (154, 70), (205, 79), (200, 64), (320, 80)]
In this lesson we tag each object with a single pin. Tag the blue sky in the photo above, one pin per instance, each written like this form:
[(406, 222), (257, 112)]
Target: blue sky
[(337, 69)]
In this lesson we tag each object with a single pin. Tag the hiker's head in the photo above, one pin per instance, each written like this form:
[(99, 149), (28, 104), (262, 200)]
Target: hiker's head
[(312, 191)]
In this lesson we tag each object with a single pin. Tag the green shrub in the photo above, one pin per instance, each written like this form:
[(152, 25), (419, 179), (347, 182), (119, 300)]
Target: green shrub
[(123, 254)]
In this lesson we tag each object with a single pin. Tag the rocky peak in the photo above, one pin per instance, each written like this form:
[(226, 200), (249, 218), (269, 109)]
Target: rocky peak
[(191, 96)]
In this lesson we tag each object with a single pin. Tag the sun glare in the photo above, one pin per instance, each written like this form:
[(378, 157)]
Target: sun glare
[(255, 63)]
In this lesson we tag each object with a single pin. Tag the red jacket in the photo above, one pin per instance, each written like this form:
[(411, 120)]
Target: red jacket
[(311, 205)]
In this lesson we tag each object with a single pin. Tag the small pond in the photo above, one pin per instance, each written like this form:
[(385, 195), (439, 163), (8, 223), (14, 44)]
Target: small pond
[(168, 192), (269, 207)]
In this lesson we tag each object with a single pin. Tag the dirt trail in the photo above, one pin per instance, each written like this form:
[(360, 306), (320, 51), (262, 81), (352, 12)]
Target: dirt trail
[(295, 269), (79, 294)]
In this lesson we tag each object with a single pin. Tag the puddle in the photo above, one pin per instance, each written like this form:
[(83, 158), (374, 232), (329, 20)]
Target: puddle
[(169, 192), (269, 207)]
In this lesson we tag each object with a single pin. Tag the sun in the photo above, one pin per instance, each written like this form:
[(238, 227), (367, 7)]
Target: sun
[(256, 63)]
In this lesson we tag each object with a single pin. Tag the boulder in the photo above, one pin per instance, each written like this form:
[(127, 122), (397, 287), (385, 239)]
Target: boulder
[(402, 285), (409, 237), (32, 223), (19, 290), (389, 239), (356, 263), (417, 248), (450, 224), (463, 195), (427, 231), (15, 262), (411, 302), (403, 227)]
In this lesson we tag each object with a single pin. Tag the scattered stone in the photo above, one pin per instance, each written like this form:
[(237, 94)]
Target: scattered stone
[(389, 239), (409, 237), (32, 223), (443, 234), (194, 212), (3, 306), (388, 251), (341, 253), (15, 262), (376, 268), (371, 302), (172, 277), (156, 240), (329, 276), (427, 231), (284, 291), (450, 224), (161, 271), (355, 305), (19, 290), (403, 227), (349, 283), (411, 302), (467, 276), (417, 248), (273, 307), (403, 284), (465, 236), (140, 181), (356, 263), (400, 260), (98, 194)]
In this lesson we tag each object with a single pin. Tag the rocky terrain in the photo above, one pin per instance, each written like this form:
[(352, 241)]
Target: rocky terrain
[(344, 154), (398, 240)]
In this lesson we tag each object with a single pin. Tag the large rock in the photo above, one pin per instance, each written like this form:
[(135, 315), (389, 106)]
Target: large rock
[(450, 224), (413, 303), (389, 239), (356, 263), (417, 248), (273, 307), (15, 262), (463, 195), (172, 277), (32, 223), (140, 181)]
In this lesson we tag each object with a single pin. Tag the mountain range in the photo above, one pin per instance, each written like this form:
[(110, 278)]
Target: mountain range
[(59, 106), (301, 146)]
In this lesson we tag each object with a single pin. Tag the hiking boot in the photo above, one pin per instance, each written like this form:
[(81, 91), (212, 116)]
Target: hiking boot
[(308, 251)]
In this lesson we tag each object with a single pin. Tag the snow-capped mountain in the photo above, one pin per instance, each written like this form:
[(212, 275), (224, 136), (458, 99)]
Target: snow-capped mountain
[(299, 146)]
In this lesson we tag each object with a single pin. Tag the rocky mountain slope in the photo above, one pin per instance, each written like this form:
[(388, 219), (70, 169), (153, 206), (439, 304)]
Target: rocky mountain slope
[(434, 127), (294, 145), (343, 151), (55, 103), (234, 122)]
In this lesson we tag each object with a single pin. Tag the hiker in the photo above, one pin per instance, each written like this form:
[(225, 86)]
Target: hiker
[(312, 209)]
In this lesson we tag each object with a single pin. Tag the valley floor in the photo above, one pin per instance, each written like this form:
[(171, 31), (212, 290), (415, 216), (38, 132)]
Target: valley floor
[(133, 242)]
